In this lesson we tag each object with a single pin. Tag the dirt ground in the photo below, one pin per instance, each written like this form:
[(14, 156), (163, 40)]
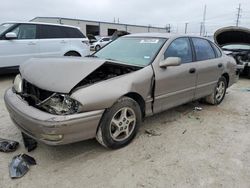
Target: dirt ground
[(208, 148)]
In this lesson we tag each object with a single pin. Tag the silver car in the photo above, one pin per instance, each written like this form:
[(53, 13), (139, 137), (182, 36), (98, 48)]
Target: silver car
[(100, 43), (64, 100)]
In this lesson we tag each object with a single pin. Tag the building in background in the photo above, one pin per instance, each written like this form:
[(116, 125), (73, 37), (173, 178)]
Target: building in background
[(101, 28)]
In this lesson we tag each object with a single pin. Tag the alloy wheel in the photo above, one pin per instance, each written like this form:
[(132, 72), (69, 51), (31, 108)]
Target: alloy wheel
[(122, 124)]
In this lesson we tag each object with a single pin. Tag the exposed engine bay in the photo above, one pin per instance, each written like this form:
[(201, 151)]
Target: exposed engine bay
[(235, 41), (242, 56), (106, 71), (61, 103)]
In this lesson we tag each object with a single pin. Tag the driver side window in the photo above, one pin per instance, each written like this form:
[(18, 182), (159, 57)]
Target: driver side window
[(180, 48), (25, 31)]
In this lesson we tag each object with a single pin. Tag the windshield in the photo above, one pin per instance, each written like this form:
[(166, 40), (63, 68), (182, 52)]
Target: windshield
[(4, 27), (133, 51)]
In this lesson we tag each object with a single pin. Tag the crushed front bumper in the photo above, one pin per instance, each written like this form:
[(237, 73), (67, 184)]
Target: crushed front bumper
[(41, 125)]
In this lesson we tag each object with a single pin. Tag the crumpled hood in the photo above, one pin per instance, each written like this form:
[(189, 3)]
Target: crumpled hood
[(58, 74), (232, 35)]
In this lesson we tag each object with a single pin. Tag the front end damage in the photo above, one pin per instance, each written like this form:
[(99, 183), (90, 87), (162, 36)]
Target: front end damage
[(51, 102), (50, 114), (58, 103), (235, 41)]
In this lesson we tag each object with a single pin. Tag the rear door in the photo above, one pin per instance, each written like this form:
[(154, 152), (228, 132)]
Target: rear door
[(53, 40), (14, 52), (175, 85), (208, 65)]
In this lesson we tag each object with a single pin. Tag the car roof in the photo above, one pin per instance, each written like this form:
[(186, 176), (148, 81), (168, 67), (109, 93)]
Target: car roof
[(41, 23), (161, 35)]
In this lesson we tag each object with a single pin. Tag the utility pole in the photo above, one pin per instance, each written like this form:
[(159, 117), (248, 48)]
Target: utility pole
[(238, 15), (204, 20), (186, 25), (201, 28), (168, 28)]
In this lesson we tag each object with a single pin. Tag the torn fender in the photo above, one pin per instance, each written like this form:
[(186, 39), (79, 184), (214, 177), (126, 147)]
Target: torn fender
[(104, 94)]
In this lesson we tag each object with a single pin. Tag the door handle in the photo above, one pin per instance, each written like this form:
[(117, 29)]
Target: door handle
[(63, 42), (192, 70), (220, 65)]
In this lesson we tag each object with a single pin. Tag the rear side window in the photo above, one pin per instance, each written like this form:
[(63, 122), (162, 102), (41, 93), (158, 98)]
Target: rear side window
[(180, 48), (50, 32), (25, 31), (203, 49), (73, 32), (217, 50)]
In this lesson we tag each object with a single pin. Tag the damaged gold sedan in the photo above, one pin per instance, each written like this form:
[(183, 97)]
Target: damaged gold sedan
[(64, 100)]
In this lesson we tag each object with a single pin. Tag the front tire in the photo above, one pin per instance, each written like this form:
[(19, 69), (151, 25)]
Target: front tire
[(97, 48), (119, 124), (219, 92)]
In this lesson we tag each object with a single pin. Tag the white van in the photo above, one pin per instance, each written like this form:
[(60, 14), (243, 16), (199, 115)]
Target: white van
[(21, 41)]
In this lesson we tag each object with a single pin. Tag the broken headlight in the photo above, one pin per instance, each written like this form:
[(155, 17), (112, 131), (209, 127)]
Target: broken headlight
[(18, 84), (60, 104)]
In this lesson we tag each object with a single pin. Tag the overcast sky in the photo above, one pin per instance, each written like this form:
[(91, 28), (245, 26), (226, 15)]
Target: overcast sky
[(151, 12)]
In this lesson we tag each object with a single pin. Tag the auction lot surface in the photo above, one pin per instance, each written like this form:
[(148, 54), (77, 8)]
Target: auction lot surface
[(208, 148)]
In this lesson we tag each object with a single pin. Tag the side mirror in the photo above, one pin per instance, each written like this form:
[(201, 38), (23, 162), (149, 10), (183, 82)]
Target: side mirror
[(11, 35), (170, 61)]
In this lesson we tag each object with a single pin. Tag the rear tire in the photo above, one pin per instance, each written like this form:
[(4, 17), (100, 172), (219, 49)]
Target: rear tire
[(219, 92), (72, 54), (119, 124)]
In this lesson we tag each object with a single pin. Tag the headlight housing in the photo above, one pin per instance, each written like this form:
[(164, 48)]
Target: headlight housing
[(18, 84), (60, 104)]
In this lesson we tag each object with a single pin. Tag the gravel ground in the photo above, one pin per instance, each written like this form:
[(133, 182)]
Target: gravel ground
[(208, 148)]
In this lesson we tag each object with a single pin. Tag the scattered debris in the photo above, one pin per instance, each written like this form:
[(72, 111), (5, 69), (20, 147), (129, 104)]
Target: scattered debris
[(29, 143), (197, 109), (184, 131), (20, 165), (151, 132), (8, 145)]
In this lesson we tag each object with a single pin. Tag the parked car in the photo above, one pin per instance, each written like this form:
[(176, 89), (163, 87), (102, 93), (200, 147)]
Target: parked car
[(107, 95), (21, 41), (101, 42), (235, 41)]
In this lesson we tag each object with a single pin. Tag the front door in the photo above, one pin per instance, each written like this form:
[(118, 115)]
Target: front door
[(16, 51), (175, 85)]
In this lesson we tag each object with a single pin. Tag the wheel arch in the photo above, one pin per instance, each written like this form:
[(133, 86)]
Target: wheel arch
[(72, 51), (139, 99), (226, 75)]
